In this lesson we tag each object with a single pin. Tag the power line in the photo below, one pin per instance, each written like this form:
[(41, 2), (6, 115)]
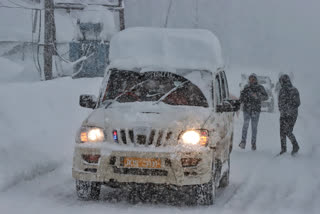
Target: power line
[(14, 7), (19, 5), (42, 9)]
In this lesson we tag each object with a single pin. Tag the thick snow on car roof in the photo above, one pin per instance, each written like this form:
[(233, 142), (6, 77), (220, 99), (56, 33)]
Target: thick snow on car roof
[(163, 47)]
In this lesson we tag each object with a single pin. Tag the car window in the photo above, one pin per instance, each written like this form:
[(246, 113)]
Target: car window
[(227, 85), (223, 87), (218, 89), (130, 86), (213, 93)]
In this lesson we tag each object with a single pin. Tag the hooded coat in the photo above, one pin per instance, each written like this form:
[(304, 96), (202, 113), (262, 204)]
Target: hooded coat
[(252, 95), (289, 98)]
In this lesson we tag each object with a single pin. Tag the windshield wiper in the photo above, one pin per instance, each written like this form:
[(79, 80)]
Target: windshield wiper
[(170, 92), (125, 92)]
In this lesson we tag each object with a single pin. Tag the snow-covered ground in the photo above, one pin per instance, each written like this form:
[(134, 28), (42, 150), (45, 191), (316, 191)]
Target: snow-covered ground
[(39, 121)]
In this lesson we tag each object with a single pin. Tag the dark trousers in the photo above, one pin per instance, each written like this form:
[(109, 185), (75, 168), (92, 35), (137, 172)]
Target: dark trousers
[(287, 123), (254, 117)]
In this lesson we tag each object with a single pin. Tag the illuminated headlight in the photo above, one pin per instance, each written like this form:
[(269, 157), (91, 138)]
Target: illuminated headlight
[(195, 137), (91, 134)]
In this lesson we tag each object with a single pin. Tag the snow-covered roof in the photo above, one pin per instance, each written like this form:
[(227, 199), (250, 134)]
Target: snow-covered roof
[(177, 48)]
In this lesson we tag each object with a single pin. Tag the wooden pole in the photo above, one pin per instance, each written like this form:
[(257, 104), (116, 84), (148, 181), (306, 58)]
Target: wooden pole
[(49, 39), (121, 15)]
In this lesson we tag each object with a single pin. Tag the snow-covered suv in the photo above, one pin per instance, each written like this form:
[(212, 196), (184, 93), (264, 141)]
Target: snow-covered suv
[(163, 117)]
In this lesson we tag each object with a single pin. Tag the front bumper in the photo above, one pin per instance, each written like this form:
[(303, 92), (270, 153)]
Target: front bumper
[(109, 167)]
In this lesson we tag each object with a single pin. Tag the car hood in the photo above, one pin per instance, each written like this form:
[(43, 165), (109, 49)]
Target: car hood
[(131, 115), (267, 87)]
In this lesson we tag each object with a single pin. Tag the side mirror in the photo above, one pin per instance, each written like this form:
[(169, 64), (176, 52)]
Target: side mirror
[(88, 101), (229, 106)]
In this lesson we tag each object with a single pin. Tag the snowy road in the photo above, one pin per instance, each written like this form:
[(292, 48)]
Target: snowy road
[(38, 124)]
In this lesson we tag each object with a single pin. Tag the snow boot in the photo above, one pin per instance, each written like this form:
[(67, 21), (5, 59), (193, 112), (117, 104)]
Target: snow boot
[(253, 147), (295, 148), (242, 145), (283, 150), (283, 147)]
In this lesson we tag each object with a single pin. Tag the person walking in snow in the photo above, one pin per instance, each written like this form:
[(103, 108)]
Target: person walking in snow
[(278, 85), (251, 97), (288, 102)]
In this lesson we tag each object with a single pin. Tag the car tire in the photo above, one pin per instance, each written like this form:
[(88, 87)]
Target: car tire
[(231, 144), (204, 194), (88, 190), (224, 181)]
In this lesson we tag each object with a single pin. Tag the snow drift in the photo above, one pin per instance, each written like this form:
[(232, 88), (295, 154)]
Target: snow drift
[(36, 126)]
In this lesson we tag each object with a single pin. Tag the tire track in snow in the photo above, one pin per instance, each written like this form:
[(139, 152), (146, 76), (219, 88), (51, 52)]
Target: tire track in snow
[(34, 172), (224, 196)]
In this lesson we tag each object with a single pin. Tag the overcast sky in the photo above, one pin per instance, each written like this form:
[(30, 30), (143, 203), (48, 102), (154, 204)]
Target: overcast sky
[(280, 34)]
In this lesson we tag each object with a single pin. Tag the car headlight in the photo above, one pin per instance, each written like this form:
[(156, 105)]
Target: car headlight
[(195, 137), (91, 134)]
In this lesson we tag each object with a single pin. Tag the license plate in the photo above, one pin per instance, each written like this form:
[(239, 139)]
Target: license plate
[(151, 163)]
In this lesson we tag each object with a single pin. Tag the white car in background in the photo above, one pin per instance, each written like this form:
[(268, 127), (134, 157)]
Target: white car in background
[(163, 120)]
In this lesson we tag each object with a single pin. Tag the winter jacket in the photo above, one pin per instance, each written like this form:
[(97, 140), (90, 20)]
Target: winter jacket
[(289, 98), (251, 96)]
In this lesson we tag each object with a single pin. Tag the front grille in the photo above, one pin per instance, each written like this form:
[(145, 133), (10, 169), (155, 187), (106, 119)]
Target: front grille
[(141, 139), (92, 170), (149, 137), (144, 172)]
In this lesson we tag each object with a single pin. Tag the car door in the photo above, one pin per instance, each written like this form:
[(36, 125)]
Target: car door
[(225, 119), (228, 116), (220, 118), (226, 95)]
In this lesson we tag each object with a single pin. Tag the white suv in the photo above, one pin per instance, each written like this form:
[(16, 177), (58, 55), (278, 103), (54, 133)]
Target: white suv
[(156, 124)]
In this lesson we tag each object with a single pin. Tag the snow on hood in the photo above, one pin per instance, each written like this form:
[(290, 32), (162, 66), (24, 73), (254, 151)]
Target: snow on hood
[(146, 114), (176, 48)]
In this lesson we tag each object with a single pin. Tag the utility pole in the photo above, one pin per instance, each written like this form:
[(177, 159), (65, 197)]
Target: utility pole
[(168, 14), (49, 39), (121, 15)]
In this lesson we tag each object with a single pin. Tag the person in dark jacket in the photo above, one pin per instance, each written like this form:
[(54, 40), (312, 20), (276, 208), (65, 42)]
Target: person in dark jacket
[(288, 102), (251, 97)]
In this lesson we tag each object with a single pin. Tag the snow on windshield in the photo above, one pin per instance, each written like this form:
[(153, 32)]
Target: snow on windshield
[(154, 86)]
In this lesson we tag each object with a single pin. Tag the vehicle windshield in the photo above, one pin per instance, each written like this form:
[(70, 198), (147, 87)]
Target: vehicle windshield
[(172, 89), (264, 80)]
